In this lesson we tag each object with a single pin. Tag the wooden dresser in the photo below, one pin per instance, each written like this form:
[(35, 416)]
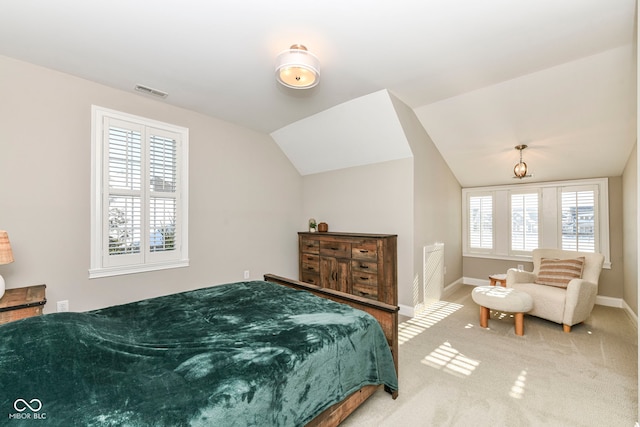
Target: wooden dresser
[(358, 264), (19, 303)]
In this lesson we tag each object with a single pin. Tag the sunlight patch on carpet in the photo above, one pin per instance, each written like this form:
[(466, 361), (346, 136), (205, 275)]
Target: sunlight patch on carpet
[(517, 390), (450, 360), (431, 315)]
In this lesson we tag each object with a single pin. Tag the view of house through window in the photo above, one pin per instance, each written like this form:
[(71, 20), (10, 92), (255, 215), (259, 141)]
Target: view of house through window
[(578, 220)]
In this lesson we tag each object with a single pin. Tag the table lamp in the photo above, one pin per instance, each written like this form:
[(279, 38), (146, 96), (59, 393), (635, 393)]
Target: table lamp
[(6, 255)]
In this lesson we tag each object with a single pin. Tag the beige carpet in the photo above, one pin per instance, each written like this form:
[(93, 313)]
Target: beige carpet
[(454, 373)]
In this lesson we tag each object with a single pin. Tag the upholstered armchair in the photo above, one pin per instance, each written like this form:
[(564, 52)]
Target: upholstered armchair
[(563, 284)]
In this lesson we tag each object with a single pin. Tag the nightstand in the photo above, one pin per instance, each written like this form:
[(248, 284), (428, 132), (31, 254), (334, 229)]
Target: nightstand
[(19, 303)]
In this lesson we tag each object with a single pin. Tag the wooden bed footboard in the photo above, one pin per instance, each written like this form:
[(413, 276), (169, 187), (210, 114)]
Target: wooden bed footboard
[(387, 317)]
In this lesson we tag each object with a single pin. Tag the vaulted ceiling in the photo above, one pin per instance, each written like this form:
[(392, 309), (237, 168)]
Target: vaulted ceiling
[(482, 76)]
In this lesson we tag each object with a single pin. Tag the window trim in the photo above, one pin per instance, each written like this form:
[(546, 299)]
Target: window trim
[(549, 208), (99, 219)]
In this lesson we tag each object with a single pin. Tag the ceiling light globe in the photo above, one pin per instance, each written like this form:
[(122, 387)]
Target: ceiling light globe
[(520, 170)]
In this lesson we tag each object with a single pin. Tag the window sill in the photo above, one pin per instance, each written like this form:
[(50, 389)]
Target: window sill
[(521, 258), (95, 273)]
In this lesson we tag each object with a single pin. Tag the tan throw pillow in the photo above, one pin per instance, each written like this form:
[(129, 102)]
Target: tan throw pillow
[(559, 272)]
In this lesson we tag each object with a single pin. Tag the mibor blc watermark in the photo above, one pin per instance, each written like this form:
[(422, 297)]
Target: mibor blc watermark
[(30, 410)]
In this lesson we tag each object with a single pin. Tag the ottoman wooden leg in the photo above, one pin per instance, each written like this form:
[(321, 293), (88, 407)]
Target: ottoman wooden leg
[(519, 324), (484, 316)]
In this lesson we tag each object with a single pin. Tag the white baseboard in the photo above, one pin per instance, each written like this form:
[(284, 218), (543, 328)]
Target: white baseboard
[(409, 311), (452, 287), (609, 301), (405, 310), (475, 282), (633, 317)]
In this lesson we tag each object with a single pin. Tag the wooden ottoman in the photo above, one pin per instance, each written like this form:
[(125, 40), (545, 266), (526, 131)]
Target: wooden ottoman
[(506, 300)]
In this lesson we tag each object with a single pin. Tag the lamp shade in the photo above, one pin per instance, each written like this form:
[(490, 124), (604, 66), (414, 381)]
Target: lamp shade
[(6, 255), (297, 68)]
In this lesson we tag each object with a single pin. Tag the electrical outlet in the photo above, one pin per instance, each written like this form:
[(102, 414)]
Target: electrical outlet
[(63, 306), (520, 267), (246, 274)]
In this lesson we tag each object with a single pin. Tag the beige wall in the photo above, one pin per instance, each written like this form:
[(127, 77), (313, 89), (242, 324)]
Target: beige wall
[(630, 230), (436, 203), (611, 280), (374, 198), (244, 194)]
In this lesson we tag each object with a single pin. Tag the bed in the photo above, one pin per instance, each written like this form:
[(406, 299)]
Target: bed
[(248, 353)]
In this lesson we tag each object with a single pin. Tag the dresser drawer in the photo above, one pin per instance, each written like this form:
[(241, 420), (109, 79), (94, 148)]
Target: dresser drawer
[(365, 250), (310, 246), (309, 277), (310, 263), (365, 285), (335, 249), (358, 266)]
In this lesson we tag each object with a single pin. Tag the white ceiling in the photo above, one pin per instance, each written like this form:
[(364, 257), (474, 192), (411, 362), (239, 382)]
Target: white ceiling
[(482, 76), (362, 131)]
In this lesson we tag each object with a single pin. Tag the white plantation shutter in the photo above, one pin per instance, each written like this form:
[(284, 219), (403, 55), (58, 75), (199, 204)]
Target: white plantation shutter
[(579, 218), (124, 189), (481, 222), (524, 222), (162, 192), (140, 193)]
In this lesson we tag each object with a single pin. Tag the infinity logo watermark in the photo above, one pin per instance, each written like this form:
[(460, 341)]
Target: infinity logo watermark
[(34, 406), (21, 405)]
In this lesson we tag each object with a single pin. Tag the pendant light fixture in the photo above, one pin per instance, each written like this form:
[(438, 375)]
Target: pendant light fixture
[(520, 170), (298, 68)]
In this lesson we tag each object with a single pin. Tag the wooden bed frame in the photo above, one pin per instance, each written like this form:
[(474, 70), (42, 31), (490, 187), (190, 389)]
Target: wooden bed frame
[(385, 314)]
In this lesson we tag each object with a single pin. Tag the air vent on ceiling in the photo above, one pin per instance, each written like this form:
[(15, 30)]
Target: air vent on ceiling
[(151, 91)]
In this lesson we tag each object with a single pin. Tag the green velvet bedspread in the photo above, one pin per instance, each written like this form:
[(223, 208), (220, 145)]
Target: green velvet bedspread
[(241, 354)]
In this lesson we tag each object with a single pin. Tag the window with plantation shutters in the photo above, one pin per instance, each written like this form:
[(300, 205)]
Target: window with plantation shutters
[(139, 188), (579, 218), (524, 222), (480, 222), (508, 222)]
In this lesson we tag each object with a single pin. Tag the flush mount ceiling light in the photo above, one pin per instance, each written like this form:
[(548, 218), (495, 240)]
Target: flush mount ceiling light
[(298, 68), (520, 170)]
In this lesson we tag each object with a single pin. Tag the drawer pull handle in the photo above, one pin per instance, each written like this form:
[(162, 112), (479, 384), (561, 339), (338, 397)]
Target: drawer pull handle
[(363, 251), (364, 278), (364, 266), (334, 249), (309, 268)]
